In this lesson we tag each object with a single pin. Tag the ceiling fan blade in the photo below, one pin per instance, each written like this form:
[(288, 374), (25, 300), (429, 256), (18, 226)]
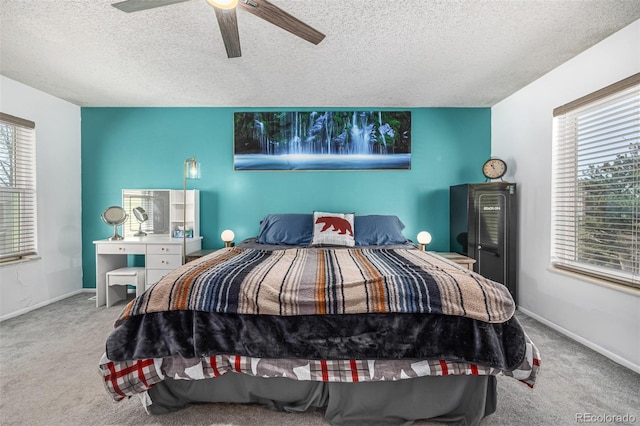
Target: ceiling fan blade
[(228, 23), (137, 5), (272, 13)]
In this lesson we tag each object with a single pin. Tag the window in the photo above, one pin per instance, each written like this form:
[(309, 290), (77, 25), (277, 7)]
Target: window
[(17, 189), (596, 184)]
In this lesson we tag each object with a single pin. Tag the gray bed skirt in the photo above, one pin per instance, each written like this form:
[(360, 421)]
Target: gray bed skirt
[(459, 400)]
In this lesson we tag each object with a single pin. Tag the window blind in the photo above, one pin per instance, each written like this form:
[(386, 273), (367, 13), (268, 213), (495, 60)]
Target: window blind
[(596, 184), (17, 188)]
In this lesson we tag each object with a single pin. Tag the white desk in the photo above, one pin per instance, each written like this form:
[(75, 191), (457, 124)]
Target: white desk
[(162, 255)]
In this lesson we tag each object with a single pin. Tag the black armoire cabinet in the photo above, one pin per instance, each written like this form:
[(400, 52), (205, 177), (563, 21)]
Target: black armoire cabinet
[(483, 220)]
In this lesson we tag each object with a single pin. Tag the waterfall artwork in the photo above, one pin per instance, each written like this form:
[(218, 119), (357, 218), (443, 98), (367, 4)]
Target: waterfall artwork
[(322, 140)]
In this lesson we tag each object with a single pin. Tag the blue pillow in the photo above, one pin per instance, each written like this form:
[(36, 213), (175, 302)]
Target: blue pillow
[(288, 229), (378, 230)]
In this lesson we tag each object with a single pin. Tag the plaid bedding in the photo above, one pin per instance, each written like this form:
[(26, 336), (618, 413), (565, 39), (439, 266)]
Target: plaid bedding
[(123, 379), (312, 281)]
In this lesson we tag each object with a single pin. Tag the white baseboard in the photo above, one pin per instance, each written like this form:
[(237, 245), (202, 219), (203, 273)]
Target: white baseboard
[(616, 358), (45, 303)]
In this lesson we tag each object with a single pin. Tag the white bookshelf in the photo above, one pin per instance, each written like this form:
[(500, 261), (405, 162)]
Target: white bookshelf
[(192, 217)]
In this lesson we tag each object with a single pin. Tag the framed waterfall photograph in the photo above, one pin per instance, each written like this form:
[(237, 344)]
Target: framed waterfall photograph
[(322, 140)]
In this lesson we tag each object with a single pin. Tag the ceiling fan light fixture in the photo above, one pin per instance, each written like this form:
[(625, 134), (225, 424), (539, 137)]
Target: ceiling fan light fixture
[(223, 4)]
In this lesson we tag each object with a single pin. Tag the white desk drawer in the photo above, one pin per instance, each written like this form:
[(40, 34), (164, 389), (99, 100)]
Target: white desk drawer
[(163, 261), (164, 249), (154, 275), (120, 249)]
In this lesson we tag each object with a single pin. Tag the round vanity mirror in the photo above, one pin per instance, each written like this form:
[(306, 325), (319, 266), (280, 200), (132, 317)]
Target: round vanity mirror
[(141, 217), (115, 216)]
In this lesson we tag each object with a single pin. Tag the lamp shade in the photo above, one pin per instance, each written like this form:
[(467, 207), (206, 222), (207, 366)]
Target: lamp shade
[(223, 4), (227, 235), (424, 237), (192, 169)]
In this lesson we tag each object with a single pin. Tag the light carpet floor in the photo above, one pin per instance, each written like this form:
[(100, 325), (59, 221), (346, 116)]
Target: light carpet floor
[(49, 376)]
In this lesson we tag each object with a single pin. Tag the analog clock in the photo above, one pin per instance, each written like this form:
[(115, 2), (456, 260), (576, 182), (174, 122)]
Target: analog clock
[(494, 168)]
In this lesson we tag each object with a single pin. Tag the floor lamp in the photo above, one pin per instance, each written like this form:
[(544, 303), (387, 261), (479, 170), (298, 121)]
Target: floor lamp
[(191, 171)]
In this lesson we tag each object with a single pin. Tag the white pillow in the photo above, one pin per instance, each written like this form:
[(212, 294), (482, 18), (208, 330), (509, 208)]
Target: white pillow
[(334, 229)]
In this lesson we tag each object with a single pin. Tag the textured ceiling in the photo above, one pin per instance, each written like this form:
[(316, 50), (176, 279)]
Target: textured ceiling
[(403, 53)]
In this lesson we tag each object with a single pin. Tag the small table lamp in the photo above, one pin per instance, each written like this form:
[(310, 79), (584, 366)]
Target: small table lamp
[(424, 238), (227, 236)]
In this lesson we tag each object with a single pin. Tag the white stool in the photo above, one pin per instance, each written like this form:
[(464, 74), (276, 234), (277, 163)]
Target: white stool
[(119, 279)]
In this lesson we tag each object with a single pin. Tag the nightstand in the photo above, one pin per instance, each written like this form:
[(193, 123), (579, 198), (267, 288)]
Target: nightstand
[(197, 254), (464, 261)]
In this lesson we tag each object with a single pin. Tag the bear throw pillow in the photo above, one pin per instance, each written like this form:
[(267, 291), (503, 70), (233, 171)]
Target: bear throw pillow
[(335, 229)]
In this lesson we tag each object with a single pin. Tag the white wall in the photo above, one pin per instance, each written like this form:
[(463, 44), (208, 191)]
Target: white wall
[(58, 273), (606, 319)]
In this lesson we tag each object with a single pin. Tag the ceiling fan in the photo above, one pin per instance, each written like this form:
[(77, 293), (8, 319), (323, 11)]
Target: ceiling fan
[(226, 15)]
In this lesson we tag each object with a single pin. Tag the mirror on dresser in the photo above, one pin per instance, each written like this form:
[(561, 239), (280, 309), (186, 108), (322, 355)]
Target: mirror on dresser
[(165, 210), (155, 203)]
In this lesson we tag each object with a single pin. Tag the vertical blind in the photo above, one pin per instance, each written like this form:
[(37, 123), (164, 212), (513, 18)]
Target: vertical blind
[(596, 184), (17, 188)]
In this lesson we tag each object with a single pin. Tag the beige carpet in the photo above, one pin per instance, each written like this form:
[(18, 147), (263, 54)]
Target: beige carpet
[(49, 376)]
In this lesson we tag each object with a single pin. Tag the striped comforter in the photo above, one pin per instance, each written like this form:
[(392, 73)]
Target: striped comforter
[(316, 281)]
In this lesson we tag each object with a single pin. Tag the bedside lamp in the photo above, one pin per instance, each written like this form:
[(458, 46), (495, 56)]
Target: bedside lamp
[(424, 238), (227, 236)]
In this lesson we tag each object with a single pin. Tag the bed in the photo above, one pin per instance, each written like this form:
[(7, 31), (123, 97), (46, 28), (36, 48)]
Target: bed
[(327, 311)]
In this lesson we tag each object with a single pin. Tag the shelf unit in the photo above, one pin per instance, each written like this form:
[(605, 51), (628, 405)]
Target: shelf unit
[(192, 218)]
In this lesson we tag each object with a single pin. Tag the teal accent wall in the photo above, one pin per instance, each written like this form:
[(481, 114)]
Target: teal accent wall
[(146, 148)]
